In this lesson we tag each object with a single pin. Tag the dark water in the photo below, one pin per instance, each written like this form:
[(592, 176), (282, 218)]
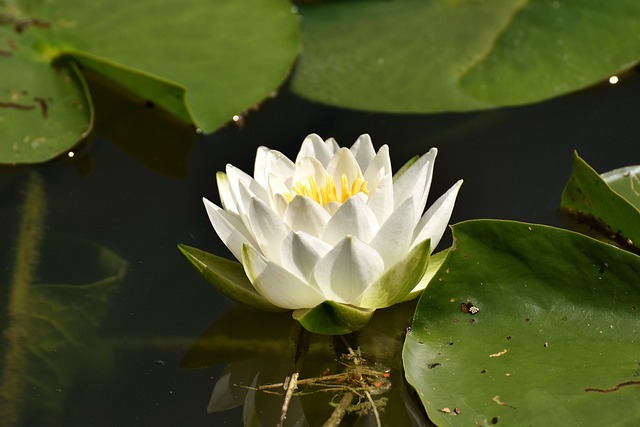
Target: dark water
[(133, 190)]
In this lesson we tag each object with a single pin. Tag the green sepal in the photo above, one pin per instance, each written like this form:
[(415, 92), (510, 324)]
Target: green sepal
[(435, 263), (333, 318), (397, 282), (227, 276)]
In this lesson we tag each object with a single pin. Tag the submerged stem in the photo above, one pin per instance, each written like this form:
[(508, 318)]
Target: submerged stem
[(302, 347), (340, 411), (27, 254)]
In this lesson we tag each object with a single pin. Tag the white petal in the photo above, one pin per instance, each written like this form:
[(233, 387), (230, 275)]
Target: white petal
[(347, 270), (269, 230), (363, 151), (378, 167), (380, 199), (276, 190), (352, 218), (243, 197), (396, 234), (229, 228), (272, 162), (415, 182), (276, 284), (434, 222), (332, 207), (305, 214), (308, 167), (343, 163), (301, 252), (225, 193), (314, 146), (237, 177), (260, 166)]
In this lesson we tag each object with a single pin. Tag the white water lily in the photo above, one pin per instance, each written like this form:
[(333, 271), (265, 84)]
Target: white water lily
[(332, 231)]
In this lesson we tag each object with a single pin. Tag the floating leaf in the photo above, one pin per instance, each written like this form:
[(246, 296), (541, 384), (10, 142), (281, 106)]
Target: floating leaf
[(527, 325), (201, 61), (589, 197), (430, 56)]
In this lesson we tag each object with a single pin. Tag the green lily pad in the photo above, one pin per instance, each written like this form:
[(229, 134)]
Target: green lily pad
[(609, 202), (415, 56), (197, 60), (555, 334)]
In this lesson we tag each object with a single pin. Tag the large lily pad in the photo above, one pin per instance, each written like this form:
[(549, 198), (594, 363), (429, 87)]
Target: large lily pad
[(556, 336), (432, 56), (609, 202), (201, 61)]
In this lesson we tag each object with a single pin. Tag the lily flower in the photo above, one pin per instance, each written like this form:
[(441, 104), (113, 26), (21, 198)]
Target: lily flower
[(333, 236)]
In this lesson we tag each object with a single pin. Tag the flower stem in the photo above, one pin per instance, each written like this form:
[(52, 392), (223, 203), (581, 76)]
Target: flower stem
[(27, 254)]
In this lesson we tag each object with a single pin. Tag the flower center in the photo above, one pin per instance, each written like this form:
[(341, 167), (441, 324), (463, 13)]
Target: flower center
[(328, 193)]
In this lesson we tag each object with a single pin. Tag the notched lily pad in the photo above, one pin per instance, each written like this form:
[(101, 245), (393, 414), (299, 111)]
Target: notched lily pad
[(414, 56), (609, 203), (197, 60), (526, 325)]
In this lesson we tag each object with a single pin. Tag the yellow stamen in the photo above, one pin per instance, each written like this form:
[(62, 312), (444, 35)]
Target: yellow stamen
[(328, 193), (345, 188)]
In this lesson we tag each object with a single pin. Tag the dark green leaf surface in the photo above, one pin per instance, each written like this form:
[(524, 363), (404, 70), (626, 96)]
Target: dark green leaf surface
[(432, 56), (201, 61), (588, 197), (556, 338)]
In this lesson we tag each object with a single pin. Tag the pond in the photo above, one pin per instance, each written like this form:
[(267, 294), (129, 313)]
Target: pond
[(115, 310)]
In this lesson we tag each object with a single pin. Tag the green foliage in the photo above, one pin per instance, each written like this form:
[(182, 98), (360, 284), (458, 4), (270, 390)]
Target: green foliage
[(609, 202), (432, 56), (555, 337), (333, 318), (227, 276), (198, 60), (195, 59)]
